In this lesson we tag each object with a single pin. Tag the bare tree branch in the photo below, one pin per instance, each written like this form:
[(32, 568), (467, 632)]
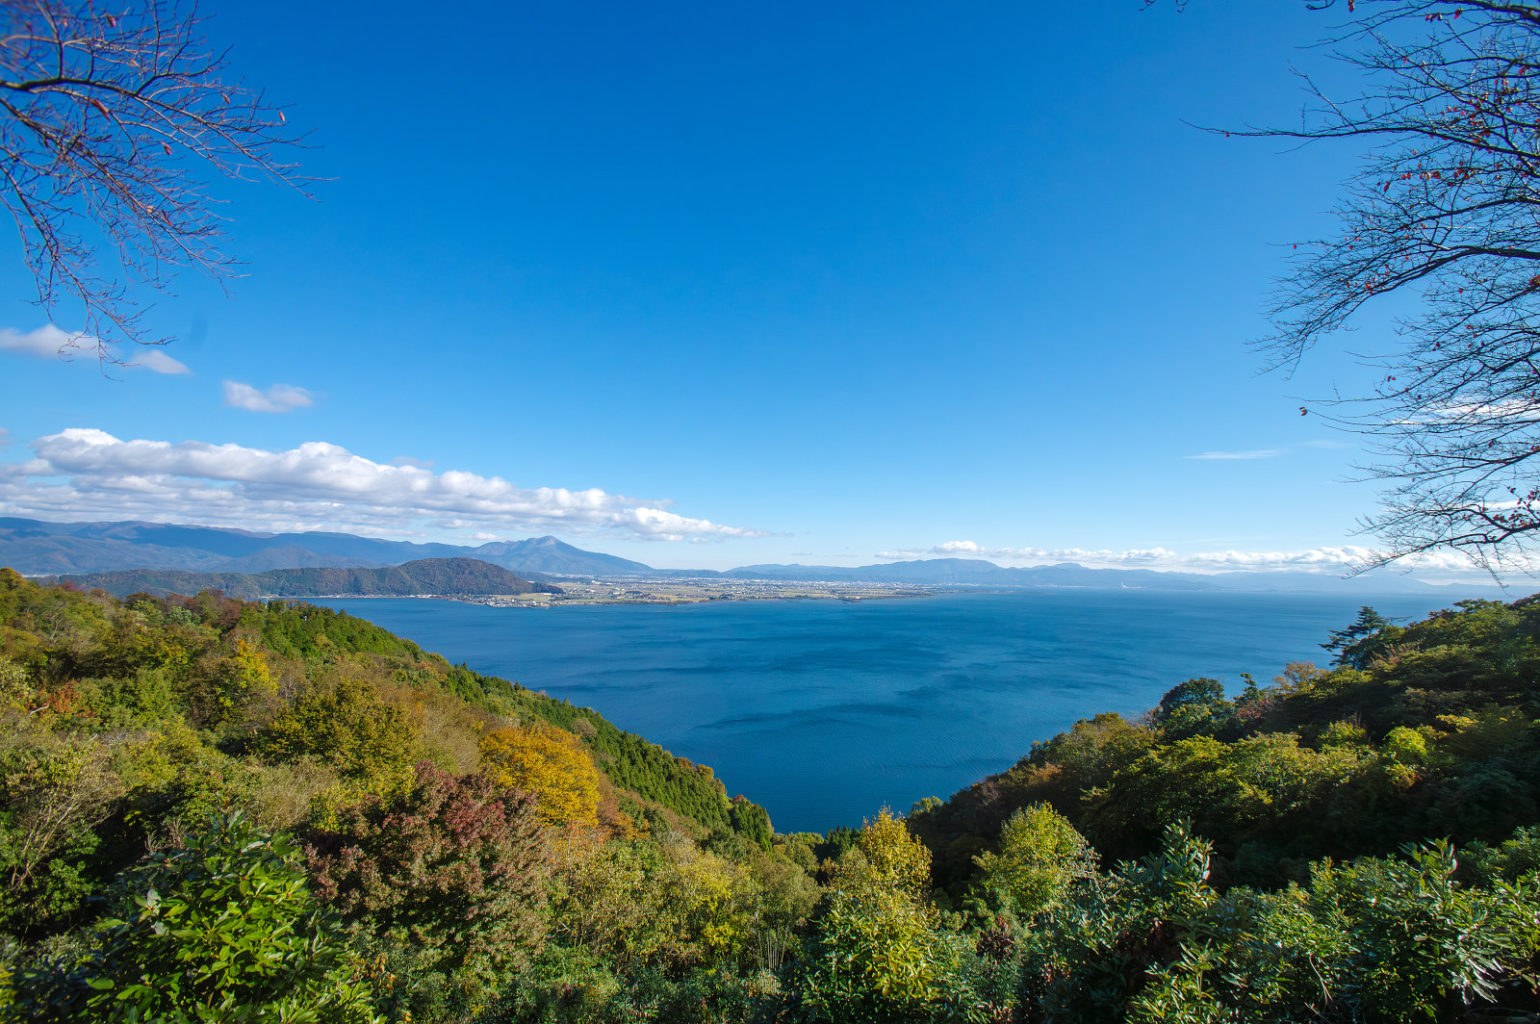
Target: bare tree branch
[(1445, 209), (110, 120)]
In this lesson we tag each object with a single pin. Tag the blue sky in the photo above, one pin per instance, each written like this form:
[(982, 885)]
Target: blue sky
[(709, 284)]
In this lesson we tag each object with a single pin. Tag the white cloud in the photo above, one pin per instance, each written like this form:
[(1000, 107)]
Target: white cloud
[(1141, 558), (1267, 453), (278, 398), (156, 361), (1260, 453), (52, 342), (1326, 560), (45, 341), (83, 473), (1518, 411)]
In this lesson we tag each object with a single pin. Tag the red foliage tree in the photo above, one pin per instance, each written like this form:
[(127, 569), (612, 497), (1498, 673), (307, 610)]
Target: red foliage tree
[(454, 873)]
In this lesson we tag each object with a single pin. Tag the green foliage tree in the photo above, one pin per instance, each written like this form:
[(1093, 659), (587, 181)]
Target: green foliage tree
[(1040, 857), (1196, 706), (879, 951), (751, 821), (55, 795), (1265, 789), (347, 723)]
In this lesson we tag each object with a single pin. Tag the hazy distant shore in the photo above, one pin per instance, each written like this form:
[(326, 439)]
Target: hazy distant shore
[(599, 591)]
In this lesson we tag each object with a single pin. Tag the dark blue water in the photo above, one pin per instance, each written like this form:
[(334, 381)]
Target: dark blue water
[(824, 711)]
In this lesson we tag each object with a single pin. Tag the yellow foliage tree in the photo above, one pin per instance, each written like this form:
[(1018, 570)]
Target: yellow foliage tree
[(716, 900), (887, 857), (549, 762), (249, 669)]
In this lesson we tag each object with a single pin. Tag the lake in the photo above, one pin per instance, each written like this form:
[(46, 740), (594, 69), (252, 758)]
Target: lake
[(825, 711)]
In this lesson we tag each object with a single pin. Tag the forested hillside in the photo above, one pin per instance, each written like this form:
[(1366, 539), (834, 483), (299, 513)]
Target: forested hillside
[(219, 810), (1423, 730), (440, 577)]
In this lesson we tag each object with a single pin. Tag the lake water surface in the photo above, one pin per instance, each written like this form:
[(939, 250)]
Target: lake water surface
[(824, 711)]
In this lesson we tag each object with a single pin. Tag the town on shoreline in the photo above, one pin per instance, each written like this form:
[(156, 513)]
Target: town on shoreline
[(599, 590)]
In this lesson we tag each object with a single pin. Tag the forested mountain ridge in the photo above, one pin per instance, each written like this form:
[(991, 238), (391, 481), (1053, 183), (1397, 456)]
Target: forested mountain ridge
[(36, 547), (220, 810), (439, 577)]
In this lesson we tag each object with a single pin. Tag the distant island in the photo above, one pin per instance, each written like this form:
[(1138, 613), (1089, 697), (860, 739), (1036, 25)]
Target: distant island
[(424, 577)]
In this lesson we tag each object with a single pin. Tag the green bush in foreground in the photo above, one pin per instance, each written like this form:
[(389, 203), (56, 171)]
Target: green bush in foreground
[(1382, 940), (880, 952), (223, 929)]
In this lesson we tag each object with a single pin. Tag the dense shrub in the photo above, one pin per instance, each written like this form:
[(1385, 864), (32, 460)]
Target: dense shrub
[(449, 881), (223, 929)]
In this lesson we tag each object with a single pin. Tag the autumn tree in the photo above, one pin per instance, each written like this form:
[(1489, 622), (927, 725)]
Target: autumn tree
[(448, 882), (1441, 214), (112, 120), (549, 762)]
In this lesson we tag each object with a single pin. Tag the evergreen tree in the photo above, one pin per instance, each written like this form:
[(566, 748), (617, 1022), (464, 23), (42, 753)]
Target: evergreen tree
[(1357, 644)]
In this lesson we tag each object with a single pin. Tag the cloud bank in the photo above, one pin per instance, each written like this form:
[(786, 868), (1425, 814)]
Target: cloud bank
[(1265, 453), (89, 474), (50, 342), (278, 398), (1260, 453), (1325, 560)]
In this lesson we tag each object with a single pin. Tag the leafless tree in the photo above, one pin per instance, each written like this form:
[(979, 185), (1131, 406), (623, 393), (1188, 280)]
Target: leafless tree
[(111, 118), (1444, 211)]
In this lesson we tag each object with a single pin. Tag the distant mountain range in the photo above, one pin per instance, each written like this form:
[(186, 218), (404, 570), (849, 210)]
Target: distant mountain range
[(974, 572), (38, 548), (979, 573), (441, 577)]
